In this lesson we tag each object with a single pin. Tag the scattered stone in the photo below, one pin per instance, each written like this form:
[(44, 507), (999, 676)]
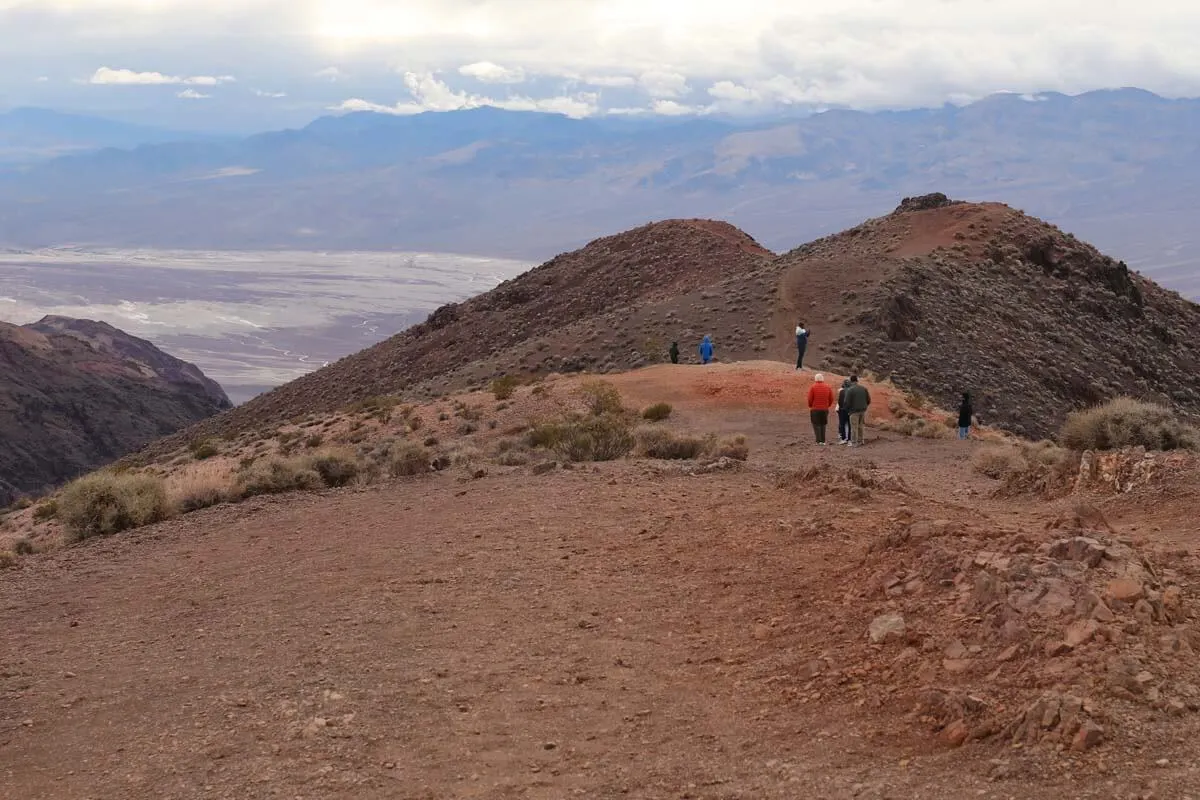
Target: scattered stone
[(1079, 548), (886, 628), (1089, 735), (955, 733), (1081, 632), (1124, 590), (1008, 653)]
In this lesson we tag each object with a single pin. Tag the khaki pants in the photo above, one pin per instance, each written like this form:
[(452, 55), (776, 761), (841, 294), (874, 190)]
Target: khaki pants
[(857, 421)]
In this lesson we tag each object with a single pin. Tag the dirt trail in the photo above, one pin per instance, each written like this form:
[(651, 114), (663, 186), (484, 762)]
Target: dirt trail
[(621, 631)]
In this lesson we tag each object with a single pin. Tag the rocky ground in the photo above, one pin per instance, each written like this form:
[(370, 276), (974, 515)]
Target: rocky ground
[(824, 622)]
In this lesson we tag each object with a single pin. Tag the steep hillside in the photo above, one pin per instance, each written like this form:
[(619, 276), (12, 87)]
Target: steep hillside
[(949, 297), (549, 310), (75, 394)]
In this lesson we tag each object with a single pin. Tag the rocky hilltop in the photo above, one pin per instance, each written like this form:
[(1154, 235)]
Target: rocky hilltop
[(941, 296), (76, 394)]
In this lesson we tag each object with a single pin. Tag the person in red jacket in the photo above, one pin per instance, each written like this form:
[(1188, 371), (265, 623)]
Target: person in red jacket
[(820, 400)]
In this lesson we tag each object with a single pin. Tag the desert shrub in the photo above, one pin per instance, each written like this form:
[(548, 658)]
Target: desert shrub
[(469, 413), (7, 559), (999, 461), (442, 417), (314, 441), (602, 398), (275, 475), (201, 496), (657, 412), (546, 435), (415, 423), (606, 437), (336, 468), (505, 387), (512, 458), (23, 547), (202, 449), (380, 406), (431, 441), (21, 503), (105, 503), (1125, 422), (408, 459), (464, 456), (466, 428), (734, 447), (46, 511), (662, 443)]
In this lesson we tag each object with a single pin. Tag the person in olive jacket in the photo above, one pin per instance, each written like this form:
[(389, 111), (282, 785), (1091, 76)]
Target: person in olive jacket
[(858, 400)]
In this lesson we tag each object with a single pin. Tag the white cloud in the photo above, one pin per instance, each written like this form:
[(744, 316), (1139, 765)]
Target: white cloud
[(42, 79), (487, 72), (272, 95), (660, 83), (331, 74), (610, 81), (192, 94), (106, 76), (431, 94), (672, 108)]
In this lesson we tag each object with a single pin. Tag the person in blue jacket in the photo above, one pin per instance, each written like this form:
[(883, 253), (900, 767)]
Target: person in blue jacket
[(706, 349)]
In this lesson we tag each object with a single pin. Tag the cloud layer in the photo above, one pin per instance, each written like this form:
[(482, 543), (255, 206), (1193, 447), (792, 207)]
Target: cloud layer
[(595, 56)]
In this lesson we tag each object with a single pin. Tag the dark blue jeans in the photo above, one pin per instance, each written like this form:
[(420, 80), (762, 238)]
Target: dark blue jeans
[(844, 425)]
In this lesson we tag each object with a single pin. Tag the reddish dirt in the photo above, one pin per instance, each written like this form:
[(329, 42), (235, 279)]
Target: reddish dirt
[(624, 630)]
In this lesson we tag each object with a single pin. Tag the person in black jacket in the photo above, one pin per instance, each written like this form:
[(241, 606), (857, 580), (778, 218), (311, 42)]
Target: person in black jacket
[(966, 413), (843, 413), (801, 344)]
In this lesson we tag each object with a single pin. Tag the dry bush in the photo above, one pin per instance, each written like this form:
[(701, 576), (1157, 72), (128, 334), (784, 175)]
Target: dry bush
[(105, 503), (464, 456), (275, 475), (200, 487), (512, 458), (23, 547), (1125, 422), (45, 511), (662, 443), (314, 441), (203, 448), (380, 407), (658, 412), (336, 467), (606, 437), (735, 447), (407, 458), (999, 461), (7, 559), (602, 398), (505, 387)]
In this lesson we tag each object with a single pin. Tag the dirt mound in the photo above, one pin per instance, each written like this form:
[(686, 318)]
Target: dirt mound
[(556, 317), (953, 297), (76, 394)]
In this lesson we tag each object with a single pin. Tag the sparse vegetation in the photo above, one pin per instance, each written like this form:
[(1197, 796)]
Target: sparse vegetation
[(7, 559), (999, 461), (336, 468), (505, 387), (23, 547), (275, 475), (657, 412), (203, 448), (46, 511), (105, 503), (1126, 422), (408, 459), (734, 447), (599, 438), (665, 444), (602, 398), (379, 407), (314, 440)]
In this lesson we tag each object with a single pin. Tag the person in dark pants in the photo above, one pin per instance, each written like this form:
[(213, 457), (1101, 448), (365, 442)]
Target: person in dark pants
[(843, 413), (965, 415), (820, 400), (858, 400), (801, 344), (674, 351)]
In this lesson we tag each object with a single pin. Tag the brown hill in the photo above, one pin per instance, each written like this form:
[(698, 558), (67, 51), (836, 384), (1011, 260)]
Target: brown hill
[(549, 311), (949, 297), (940, 296), (76, 394)]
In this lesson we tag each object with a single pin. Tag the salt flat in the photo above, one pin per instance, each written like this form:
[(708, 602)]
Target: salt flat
[(250, 319)]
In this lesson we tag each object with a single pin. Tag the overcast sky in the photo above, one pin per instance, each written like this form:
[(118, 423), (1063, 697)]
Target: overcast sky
[(254, 64)]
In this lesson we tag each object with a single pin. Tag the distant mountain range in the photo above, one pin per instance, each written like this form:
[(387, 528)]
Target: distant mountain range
[(1120, 168), (29, 135)]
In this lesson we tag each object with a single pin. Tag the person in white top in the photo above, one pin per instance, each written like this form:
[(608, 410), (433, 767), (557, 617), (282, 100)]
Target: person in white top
[(801, 344)]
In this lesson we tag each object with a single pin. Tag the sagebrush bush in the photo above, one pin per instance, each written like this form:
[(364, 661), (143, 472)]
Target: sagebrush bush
[(46, 511), (200, 497), (1125, 422), (505, 387), (999, 461), (336, 468), (275, 475), (407, 458), (23, 547), (203, 448), (662, 443), (735, 447), (602, 398), (657, 412), (606, 437), (105, 503)]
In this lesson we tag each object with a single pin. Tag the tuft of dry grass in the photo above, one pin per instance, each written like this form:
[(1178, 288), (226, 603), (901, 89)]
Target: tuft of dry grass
[(407, 459), (999, 461), (734, 447), (664, 444), (104, 503), (606, 437), (602, 398), (657, 412), (200, 486), (274, 475), (1126, 422)]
